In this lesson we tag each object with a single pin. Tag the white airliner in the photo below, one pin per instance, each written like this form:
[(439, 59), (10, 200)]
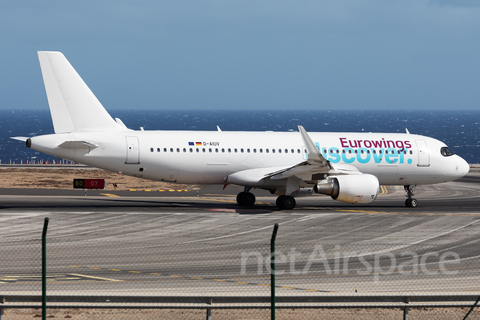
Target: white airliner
[(347, 166)]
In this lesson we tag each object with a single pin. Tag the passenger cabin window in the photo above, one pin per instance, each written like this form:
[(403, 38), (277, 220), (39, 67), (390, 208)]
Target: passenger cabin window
[(446, 152)]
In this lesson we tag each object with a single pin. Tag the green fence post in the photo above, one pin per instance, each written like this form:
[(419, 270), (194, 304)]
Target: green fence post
[(44, 269), (2, 301), (272, 272)]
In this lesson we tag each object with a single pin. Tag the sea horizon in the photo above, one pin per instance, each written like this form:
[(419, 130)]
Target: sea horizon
[(457, 129)]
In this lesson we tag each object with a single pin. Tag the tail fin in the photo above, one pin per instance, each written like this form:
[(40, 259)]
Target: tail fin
[(73, 105)]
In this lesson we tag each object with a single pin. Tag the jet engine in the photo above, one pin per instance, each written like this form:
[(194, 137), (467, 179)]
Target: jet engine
[(361, 188)]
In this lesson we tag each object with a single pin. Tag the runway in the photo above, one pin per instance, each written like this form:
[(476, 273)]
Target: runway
[(182, 243)]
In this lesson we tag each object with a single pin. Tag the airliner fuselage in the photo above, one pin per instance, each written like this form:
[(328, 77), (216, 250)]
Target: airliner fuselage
[(209, 157), (349, 167)]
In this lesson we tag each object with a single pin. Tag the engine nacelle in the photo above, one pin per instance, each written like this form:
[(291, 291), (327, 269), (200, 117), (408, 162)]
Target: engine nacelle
[(361, 188)]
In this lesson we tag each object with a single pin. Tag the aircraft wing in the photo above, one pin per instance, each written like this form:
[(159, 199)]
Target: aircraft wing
[(316, 164), (306, 168)]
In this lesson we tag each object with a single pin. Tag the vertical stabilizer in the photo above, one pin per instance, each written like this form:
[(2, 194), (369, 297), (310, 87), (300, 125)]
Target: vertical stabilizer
[(73, 105)]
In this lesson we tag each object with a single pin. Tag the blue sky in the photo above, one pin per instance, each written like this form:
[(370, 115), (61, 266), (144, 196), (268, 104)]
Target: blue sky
[(325, 55)]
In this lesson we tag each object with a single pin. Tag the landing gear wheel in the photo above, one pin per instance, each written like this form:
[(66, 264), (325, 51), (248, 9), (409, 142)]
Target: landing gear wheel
[(246, 199), (286, 202), (279, 201), (412, 203)]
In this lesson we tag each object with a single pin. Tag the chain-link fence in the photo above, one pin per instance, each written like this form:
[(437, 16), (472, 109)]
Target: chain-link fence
[(132, 280)]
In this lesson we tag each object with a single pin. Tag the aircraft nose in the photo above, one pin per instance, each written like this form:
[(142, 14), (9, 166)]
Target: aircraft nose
[(462, 168)]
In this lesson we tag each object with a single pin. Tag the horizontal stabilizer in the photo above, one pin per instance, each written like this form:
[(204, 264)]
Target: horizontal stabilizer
[(19, 138), (78, 145)]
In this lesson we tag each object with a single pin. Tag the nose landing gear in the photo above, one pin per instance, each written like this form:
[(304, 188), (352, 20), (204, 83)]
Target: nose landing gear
[(410, 202)]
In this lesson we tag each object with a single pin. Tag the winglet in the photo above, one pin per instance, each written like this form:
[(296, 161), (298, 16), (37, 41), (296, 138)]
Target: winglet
[(313, 153)]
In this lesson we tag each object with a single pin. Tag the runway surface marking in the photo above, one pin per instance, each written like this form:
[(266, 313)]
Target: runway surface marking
[(161, 190), (97, 278), (238, 233), (110, 195), (179, 277), (384, 190), (63, 277), (405, 213)]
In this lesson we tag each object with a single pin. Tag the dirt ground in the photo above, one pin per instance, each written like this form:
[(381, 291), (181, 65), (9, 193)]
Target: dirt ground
[(62, 178), (243, 314)]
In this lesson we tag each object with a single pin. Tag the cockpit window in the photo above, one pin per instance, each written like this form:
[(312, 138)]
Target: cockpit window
[(446, 152)]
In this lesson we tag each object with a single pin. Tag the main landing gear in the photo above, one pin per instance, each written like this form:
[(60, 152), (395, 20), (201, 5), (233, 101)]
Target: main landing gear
[(286, 202), (246, 198), (410, 202)]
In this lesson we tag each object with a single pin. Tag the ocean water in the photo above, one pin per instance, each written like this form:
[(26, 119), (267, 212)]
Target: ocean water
[(460, 130)]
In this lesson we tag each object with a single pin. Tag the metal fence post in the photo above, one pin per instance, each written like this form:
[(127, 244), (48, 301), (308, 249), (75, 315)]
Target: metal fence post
[(2, 301), (209, 310), (471, 309), (272, 272), (44, 269), (405, 310)]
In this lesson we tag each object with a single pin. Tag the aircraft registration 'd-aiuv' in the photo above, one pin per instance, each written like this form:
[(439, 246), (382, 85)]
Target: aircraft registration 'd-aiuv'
[(349, 167)]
